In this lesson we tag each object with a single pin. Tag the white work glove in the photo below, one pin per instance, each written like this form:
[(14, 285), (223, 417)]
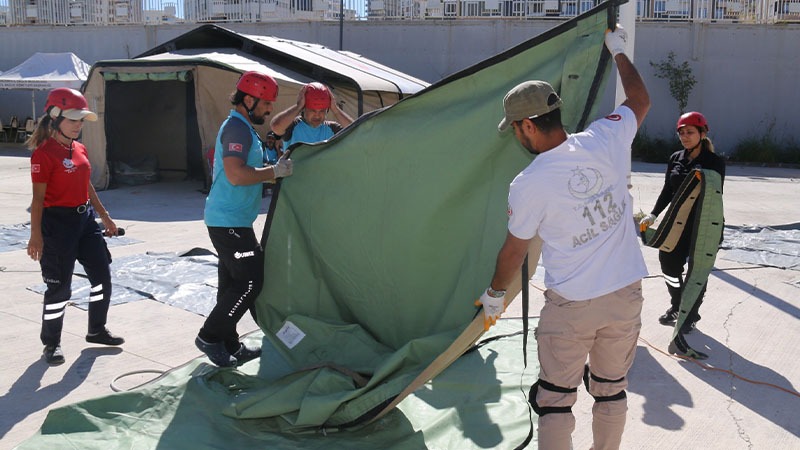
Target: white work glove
[(616, 40), (283, 168), (646, 221), (493, 307)]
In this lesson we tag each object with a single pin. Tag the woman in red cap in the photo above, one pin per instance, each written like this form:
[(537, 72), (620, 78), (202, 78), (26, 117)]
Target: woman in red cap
[(697, 153), (63, 227)]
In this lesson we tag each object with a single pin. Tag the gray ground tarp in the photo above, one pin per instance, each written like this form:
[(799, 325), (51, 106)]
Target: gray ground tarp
[(187, 280), (773, 246)]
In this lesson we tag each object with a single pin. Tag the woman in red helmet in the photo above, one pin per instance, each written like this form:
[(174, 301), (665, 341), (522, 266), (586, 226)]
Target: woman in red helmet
[(697, 153), (306, 121), (63, 227)]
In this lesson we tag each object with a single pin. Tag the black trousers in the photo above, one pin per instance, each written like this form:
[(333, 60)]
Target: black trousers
[(69, 237), (672, 267), (241, 276)]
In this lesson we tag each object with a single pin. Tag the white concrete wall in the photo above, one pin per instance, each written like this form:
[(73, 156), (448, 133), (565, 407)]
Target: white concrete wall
[(748, 76)]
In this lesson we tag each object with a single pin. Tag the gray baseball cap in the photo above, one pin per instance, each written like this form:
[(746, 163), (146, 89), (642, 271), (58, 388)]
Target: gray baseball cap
[(528, 99)]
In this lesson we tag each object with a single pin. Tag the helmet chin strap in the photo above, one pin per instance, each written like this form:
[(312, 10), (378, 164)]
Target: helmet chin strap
[(691, 150), (250, 110), (57, 126)]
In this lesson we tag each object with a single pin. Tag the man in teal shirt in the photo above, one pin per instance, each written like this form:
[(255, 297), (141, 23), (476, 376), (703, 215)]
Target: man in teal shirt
[(231, 208)]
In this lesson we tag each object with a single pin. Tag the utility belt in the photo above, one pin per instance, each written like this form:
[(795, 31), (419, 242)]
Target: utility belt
[(80, 209)]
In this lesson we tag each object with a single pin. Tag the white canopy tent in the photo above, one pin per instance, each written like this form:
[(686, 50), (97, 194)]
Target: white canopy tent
[(46, 71)]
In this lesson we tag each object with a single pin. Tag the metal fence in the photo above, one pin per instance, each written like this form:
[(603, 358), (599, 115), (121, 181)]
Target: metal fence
[(109, 12)]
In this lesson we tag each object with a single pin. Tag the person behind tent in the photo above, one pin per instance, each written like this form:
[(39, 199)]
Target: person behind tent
[(63, 226), (306, 121), (231, 208), (273, 148), (272, 152), (697, 153), (574, 195)]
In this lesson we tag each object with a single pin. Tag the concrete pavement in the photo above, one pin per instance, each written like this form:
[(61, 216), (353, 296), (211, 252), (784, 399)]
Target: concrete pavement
[(750, 323)]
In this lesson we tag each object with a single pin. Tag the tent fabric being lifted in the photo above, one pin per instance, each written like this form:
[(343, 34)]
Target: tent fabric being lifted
[(375, 249), (380, 242)]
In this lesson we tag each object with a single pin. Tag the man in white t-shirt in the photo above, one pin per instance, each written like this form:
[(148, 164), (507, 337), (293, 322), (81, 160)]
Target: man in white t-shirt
[(574, 195)]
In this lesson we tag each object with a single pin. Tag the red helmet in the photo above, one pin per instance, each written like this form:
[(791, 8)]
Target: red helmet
[(317, 96), (692, 118), (258, 85), (68, 103)]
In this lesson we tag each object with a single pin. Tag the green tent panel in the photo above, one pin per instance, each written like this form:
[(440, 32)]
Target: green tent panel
[(385, 235)]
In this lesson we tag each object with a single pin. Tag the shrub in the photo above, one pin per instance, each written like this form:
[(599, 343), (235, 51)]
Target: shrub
[(766, 150), (651, 149)]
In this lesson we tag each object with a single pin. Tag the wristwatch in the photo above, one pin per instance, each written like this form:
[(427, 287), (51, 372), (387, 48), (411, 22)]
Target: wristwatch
[(495, 294)]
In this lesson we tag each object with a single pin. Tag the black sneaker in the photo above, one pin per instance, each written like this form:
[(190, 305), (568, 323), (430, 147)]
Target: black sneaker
[(216, 352), (53, 355), (245, 354), (105, 338), (680, 347), (669, 317)]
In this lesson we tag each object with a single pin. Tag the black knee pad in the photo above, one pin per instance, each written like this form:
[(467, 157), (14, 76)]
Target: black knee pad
[(609, 398), (544, 410)]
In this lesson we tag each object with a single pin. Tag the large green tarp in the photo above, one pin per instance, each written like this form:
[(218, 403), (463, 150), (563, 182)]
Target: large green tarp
[(375, 249), (477, 403), (384, 236)]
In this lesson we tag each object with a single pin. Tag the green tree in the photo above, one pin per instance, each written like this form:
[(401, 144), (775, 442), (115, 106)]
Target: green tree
[(681, 80)]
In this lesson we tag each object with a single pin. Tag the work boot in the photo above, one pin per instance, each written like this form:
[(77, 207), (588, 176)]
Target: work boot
[(669, 317), (246, 353), (104, 337), (53, 355), (216, 352)]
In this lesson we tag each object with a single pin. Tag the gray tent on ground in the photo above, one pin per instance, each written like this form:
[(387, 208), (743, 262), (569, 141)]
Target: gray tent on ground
[(166, 104)]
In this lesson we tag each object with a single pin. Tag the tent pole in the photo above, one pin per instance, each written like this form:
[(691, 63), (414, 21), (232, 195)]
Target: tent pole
[(33, 104)]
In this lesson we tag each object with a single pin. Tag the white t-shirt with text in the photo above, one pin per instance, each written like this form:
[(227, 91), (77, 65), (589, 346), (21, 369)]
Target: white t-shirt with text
[(575, 196)]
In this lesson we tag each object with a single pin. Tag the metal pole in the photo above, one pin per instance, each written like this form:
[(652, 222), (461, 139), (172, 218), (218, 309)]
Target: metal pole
[(341, 24), (627, 18)]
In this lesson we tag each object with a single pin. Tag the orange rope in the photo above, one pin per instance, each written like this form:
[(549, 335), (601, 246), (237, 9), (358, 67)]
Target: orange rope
[(733, 374), (707, 367)]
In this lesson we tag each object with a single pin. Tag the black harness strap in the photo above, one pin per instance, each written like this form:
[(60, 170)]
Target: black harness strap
[(544, 410), (609, 398), (525, 307)]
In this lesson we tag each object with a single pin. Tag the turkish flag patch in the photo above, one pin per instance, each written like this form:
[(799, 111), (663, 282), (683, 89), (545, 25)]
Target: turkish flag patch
[(234, 147), (36, 168)]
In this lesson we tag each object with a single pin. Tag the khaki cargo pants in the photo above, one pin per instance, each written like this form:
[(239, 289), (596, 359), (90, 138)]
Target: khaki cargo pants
[(605, 329)]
